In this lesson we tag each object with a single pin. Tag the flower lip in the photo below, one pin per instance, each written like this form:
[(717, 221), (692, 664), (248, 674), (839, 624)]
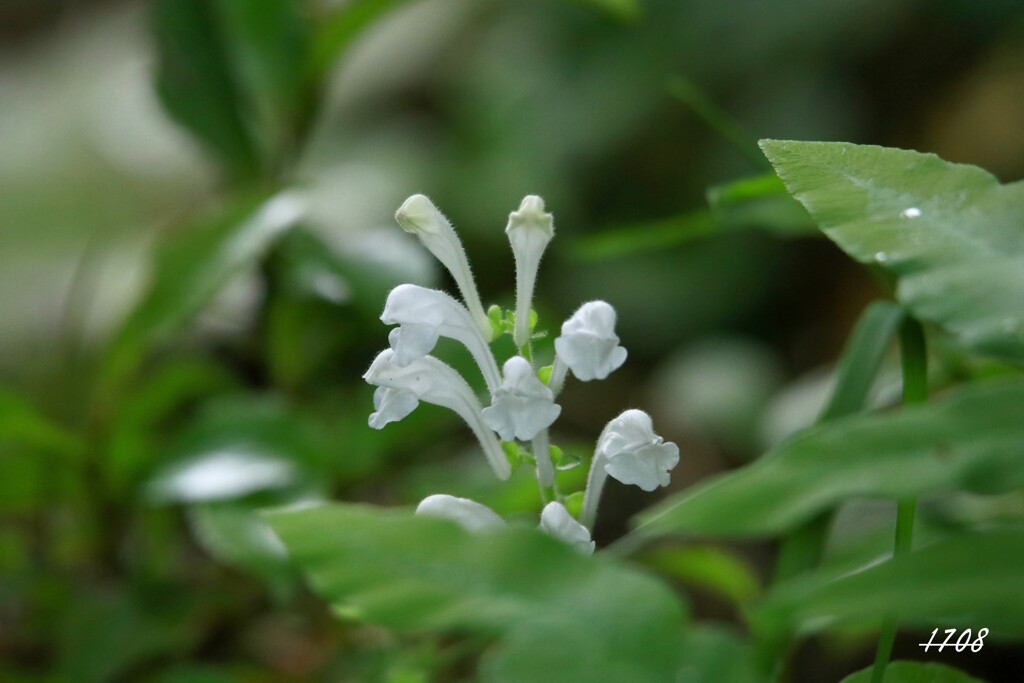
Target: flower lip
[(556, 521), (468, 514), (634, 454), (522, 405), (391, 405), (588, 344), (426, 314)]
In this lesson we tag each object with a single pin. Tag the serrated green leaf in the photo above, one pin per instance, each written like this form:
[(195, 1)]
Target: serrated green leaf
[(965, 581), (950, 233), (970, 439), (552, 608), (914, 672)]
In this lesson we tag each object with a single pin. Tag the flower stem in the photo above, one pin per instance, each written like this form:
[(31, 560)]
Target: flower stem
[(914, 362), (545, 470), (592, 496)]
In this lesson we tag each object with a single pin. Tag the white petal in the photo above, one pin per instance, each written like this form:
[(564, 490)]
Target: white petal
[(412, 341), (522, 405), (556, 521), (468, 514), (634, 454), (391, 406), (588, 343)]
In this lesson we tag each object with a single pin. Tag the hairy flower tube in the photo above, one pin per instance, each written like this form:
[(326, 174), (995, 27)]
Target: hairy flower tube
[(529, 230), (630, 451), (419, 216), (588, 345), (523, 406), (556, 521), (468, 514), (430, 380), (423, 315)]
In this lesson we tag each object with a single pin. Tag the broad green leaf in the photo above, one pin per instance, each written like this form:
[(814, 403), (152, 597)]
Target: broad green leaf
[(950, 233), (970, 439), (232, 73), (914, 672), (552, 609), (191, 269), (965, 581)]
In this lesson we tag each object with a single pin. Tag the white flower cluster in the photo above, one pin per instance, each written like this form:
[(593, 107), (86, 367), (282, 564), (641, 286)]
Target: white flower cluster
[(521, 405)]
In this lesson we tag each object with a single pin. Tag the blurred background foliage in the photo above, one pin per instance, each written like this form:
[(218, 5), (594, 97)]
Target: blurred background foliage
[(196, 202)]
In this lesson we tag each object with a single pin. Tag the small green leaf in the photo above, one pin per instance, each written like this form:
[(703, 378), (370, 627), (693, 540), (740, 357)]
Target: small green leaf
[(552, 609), (759, 202), (24, 426), (949, 232), (914, 672), (964, 581), (969, 439)]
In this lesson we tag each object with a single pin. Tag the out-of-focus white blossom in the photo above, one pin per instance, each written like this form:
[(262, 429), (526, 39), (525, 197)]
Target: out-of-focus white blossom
[(468, 514), (419, 216), (423, 315), (588, 344), (432, 381), (522, 405), (529, 230), (556, 521)]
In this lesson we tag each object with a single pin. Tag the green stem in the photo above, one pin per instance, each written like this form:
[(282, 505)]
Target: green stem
[(914, 361)]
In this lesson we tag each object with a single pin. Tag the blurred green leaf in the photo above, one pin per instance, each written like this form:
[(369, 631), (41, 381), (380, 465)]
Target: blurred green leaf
[(715, 654), (970, 439), (730, 130), (104, 634), (23, 426), (192, 267), (341, 29), (554, 609), (760, 202), (136, 429), (950, 232), (861, 359), (969, 580), (241, 445), (714, 569), (914, 672), (641, 237), (235, 534), (232, 73)]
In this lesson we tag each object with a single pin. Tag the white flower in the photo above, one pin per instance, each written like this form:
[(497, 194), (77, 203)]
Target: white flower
[(391, 405), (588, 343), (426, 314), (468, 514), (430, 380), (419, 216), (634, 454), (556, 521), (630, 451), (529, 230), (522, 405)]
